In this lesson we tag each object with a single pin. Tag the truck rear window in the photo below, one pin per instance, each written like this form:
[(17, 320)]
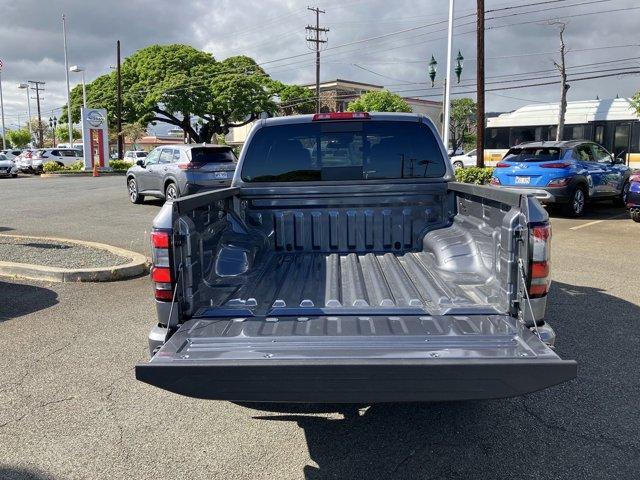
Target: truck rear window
[(533, 154), (212, 155), (343, 151)]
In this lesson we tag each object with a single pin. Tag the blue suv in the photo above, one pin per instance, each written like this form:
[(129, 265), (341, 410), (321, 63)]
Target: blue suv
[(568, 173)]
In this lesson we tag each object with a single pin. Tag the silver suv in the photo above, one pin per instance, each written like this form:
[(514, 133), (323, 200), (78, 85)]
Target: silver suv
[(172, 171)]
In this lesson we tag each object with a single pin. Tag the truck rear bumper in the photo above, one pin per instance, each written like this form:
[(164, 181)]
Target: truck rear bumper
[(354, 359)]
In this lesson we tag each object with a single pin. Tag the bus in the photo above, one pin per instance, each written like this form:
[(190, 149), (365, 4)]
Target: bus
[(613, 123)]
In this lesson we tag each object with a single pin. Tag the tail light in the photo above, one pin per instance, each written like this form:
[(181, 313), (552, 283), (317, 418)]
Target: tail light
[(494, 181), (161, 273), (556, 165), (540, 260), (558, 182), (502, 165), (190, 166)]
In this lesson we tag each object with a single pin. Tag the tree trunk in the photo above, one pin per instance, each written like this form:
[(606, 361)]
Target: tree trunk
[(563, 84)]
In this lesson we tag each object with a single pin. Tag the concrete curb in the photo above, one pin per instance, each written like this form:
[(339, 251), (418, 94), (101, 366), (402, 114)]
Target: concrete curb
[(82, 174), (136, 267)]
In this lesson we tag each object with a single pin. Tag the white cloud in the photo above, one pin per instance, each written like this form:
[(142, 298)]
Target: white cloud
[(31, 40)]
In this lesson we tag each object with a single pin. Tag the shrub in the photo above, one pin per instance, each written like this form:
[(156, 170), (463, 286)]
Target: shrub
[(76, 167), (120, 164), (479, 176), (48, 167)]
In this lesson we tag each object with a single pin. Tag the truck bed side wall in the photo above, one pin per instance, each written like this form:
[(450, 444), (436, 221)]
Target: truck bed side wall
[(471, 252)]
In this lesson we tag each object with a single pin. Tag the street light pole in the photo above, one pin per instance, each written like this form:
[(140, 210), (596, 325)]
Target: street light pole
[(4, 132), (25, 87), (447, 89), (66, 68), (78, 69)]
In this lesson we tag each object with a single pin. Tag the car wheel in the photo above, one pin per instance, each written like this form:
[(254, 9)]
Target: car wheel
[(635, 215), (457, 165), (171, 192), (621, 200), (132, 187), (577, 201)]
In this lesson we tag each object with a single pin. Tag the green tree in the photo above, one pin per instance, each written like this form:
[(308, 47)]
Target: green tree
[(294, 99), (177, 84), (19, 138), (462, 122), (134, 132), (62, 133), (635, 102), (379, 101)]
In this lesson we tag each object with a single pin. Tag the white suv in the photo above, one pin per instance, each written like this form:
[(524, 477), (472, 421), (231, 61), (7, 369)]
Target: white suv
[(62, 156)]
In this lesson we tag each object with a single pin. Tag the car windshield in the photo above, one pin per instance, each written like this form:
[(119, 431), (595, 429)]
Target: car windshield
[(141, 154), (343, 151), (2, 157), (532, 154), (212, 155)]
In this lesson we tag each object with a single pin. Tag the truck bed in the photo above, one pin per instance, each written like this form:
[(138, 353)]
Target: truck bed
[(310, 282)]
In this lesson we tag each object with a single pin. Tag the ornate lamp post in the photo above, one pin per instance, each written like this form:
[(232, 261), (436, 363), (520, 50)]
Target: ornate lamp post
[(433, 68), (459, 62), (53, 123)]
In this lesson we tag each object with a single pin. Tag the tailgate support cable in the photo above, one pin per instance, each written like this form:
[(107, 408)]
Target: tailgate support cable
[(523, 277), (173, 301)]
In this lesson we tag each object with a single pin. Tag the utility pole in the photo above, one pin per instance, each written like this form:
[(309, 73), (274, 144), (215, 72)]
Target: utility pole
[(447, 87), (563, 81), (119, 102), (4, 131), (317, 29), (66, 68), (480, 88), (38, 89)]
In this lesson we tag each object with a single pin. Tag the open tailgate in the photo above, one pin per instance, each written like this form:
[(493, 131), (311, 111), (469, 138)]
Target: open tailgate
[(354, 359)]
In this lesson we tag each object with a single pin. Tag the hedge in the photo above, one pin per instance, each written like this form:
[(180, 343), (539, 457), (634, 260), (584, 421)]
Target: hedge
[(477, 175)]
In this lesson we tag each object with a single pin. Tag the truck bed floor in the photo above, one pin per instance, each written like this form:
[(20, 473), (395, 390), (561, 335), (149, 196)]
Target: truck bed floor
[(409, 281)]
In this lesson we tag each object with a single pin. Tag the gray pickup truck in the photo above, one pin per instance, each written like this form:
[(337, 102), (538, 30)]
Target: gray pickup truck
[(344, 265)]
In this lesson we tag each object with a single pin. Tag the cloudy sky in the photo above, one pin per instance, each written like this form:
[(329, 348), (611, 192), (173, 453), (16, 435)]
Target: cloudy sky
[(374, 41)]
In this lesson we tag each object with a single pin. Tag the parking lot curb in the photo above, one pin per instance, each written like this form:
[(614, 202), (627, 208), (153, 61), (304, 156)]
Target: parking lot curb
[(136, 267), (82, 174)]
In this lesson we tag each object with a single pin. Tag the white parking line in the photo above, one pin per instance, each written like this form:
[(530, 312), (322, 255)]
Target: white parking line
[(588, 224)]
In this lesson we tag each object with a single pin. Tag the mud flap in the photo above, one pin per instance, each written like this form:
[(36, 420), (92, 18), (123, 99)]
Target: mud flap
[(355, 359)]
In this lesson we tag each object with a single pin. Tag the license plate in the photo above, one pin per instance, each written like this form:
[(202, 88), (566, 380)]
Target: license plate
[(522, 180), (221, 175)]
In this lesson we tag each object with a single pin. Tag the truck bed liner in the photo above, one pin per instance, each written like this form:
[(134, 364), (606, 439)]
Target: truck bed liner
[(353, 281)]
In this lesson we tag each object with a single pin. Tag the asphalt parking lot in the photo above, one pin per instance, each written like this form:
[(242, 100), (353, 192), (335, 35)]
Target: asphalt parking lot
[(71, 408)]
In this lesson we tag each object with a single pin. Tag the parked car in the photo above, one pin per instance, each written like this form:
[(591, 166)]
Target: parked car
[(24, 160), (464, 161), (134, 155), (62, 156), (8, 167), (172, 171), (569, 173), (459, 151), (633, 197), (344, 266), (11, 153)]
